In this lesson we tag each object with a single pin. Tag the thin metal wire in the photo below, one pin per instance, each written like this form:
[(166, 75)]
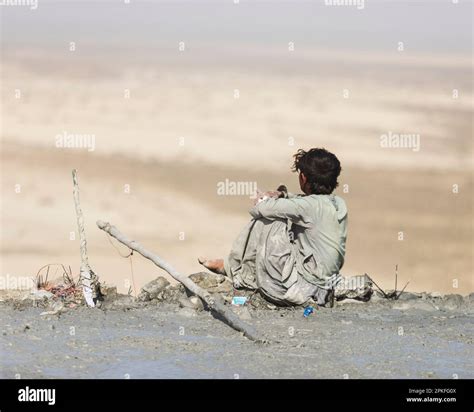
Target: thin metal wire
[(125, 257)]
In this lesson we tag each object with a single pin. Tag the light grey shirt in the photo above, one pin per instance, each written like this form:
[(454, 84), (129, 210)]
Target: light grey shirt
[(319, 225)]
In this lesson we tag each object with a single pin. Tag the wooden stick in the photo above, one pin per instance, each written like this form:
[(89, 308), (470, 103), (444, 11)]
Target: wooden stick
[(396, 277), (403, 290), (213, 302), (88, 278), (378, 287)]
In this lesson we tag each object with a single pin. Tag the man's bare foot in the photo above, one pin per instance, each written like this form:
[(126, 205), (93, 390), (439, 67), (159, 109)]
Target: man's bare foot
[(214, 265)]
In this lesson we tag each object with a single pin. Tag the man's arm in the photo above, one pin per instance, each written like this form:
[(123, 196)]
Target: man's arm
[(295, 209), (290, 195), (283, 192)]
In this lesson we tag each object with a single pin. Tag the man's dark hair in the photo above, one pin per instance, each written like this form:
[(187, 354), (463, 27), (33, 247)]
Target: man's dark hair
[(321, 168)]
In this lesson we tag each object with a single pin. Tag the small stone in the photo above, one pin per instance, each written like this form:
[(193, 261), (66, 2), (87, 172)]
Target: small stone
[(152, 289), (206, 280), (453, 302), (193, 303), (55, 309), (212, 282), (108, 291), (41, 294), (195, 300), (123, 302)]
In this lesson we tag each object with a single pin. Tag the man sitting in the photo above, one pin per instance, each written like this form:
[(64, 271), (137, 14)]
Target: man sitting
[(293, 248)]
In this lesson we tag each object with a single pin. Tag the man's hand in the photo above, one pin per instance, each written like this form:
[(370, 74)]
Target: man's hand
[(261, 196)]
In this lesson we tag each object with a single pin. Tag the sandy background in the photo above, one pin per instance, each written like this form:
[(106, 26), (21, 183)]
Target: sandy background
[(287, 100)]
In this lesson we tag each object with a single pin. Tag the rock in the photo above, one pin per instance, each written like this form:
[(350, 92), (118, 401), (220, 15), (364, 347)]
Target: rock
[(152, 289), (172, 294), (354, 287), (196, 302), (56, 309), (193, 303), (436, 295), (122, 302), (34, 297), (108, 292), (40, 294), (212, 282), (452, 302)]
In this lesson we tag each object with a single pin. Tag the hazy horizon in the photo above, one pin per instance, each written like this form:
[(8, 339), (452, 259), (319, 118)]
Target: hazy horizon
[(424, 26)]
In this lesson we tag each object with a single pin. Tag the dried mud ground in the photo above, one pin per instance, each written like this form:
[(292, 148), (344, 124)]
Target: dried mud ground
[(384, 339)]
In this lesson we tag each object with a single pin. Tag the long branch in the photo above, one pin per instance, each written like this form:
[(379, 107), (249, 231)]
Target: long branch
[(87, 275), (213, 302)]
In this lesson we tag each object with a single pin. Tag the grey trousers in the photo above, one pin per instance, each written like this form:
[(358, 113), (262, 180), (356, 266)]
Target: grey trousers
[(263, 258)]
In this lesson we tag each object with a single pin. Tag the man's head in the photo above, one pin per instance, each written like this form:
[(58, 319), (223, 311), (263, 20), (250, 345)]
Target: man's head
[(318, 171)]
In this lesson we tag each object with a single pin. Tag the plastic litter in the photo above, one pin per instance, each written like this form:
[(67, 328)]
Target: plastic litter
[(239, 300), (308, 310)]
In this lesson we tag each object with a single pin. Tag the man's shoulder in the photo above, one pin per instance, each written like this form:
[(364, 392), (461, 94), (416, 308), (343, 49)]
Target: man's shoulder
[(332, 202), (341, 207)]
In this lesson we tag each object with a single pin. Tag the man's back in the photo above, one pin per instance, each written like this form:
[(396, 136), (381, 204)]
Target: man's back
[(322, 242)]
